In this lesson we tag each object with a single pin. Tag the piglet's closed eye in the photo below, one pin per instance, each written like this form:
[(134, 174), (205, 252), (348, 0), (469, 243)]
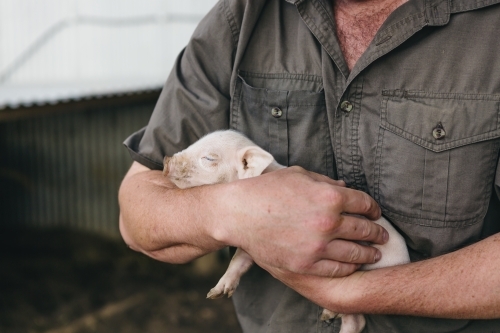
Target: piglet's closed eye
[(211, 157)]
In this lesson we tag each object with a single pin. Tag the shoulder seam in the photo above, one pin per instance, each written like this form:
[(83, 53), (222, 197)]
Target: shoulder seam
[(231, 21)]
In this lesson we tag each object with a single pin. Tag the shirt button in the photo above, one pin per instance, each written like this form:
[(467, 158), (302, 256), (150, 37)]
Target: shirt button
[(346, 106), (438, 132), (276, 112)]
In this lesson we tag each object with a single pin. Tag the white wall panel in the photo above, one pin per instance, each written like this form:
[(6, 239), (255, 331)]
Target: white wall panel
[(60, 42)]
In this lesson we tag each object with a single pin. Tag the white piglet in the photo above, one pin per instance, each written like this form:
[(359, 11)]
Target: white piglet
[(225, 156)]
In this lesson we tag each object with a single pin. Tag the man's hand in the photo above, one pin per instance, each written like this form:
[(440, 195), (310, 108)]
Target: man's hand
[(464, 284), (290, 219), (297, 221)]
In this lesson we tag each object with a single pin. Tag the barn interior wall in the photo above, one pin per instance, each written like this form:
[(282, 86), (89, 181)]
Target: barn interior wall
[(64, 169)]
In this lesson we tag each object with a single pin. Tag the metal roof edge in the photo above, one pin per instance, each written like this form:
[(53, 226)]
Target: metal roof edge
[(23, 111)]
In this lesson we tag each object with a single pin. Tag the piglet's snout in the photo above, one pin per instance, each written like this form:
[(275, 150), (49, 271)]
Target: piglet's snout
[(166, 165)]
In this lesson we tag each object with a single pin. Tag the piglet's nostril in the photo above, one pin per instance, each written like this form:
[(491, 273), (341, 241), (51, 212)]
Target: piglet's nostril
[(166, 165)]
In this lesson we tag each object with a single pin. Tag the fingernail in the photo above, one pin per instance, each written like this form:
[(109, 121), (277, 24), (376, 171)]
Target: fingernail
[(385, 236), (378, 256)]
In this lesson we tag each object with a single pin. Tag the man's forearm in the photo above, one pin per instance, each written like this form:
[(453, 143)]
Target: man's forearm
[(162, 221), (290, 218), (462, 285)]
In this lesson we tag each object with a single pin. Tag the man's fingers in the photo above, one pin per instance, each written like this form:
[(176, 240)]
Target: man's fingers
[(358, 202), (332, 269), (351, 252), (321, 178), (360, 229), (353, 201)]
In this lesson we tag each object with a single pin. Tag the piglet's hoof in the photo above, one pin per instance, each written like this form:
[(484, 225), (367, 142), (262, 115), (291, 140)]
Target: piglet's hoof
[(329, 315), (215, 293)]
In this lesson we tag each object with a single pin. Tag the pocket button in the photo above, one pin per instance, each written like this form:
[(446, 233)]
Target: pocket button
[(346, 106), (276, 112), (438, 132)]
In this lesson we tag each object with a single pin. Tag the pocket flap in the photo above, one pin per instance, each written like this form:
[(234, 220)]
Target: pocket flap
[(438, 121)]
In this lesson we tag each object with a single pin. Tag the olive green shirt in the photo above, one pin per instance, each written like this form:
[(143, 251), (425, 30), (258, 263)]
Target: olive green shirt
[(415, 124)]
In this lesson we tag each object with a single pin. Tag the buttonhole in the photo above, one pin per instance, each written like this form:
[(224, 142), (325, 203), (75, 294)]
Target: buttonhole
[(383, 40)]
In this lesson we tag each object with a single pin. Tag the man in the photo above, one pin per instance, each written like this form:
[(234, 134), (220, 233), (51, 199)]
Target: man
[(399, 100)]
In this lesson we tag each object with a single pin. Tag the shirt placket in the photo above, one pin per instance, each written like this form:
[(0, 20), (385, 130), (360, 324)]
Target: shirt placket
[(347, 150), (278, 125), (343, 99)]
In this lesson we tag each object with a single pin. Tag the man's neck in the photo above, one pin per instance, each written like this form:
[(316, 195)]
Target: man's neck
[(357, 22)]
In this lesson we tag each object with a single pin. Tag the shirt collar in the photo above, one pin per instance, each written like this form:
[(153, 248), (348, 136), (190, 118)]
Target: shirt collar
[(437, 12)]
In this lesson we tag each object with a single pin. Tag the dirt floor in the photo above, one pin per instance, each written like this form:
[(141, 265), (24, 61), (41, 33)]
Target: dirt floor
[(60, 281)]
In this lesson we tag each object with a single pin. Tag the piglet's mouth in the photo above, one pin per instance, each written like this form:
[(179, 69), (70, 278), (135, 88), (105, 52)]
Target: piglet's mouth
[(166, 165)]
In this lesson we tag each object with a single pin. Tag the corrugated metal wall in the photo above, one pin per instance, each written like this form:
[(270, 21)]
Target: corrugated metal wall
[(65, 169)]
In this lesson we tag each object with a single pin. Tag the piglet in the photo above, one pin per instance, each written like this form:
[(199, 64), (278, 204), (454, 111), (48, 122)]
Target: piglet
[(225, 156)]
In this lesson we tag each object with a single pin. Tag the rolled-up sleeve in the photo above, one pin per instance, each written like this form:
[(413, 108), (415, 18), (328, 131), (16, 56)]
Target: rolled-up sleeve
[(196, 96)]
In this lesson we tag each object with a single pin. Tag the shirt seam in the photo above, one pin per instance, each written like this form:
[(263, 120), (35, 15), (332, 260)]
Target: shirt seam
[(278, 76), (231, 21), (468, 7)]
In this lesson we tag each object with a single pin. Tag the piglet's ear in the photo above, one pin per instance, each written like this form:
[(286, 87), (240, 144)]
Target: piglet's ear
[(252, 161)]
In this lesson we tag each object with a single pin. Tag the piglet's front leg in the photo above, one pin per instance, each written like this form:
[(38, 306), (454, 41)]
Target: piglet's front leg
[(239, 265)]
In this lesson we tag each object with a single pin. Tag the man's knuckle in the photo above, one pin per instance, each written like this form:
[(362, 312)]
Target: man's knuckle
[(367, 229), (324, 178), (367, 203), (323, 224), (319, 248), (296, 168), (335, 270), (354, 254), (374, 232), (334, 196)]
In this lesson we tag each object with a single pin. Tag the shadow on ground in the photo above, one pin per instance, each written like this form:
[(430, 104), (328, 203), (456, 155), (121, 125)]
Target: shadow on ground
[(60, 281)]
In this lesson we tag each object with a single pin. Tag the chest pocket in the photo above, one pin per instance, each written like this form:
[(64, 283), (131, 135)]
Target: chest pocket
[(436, 157), (285, 114)]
